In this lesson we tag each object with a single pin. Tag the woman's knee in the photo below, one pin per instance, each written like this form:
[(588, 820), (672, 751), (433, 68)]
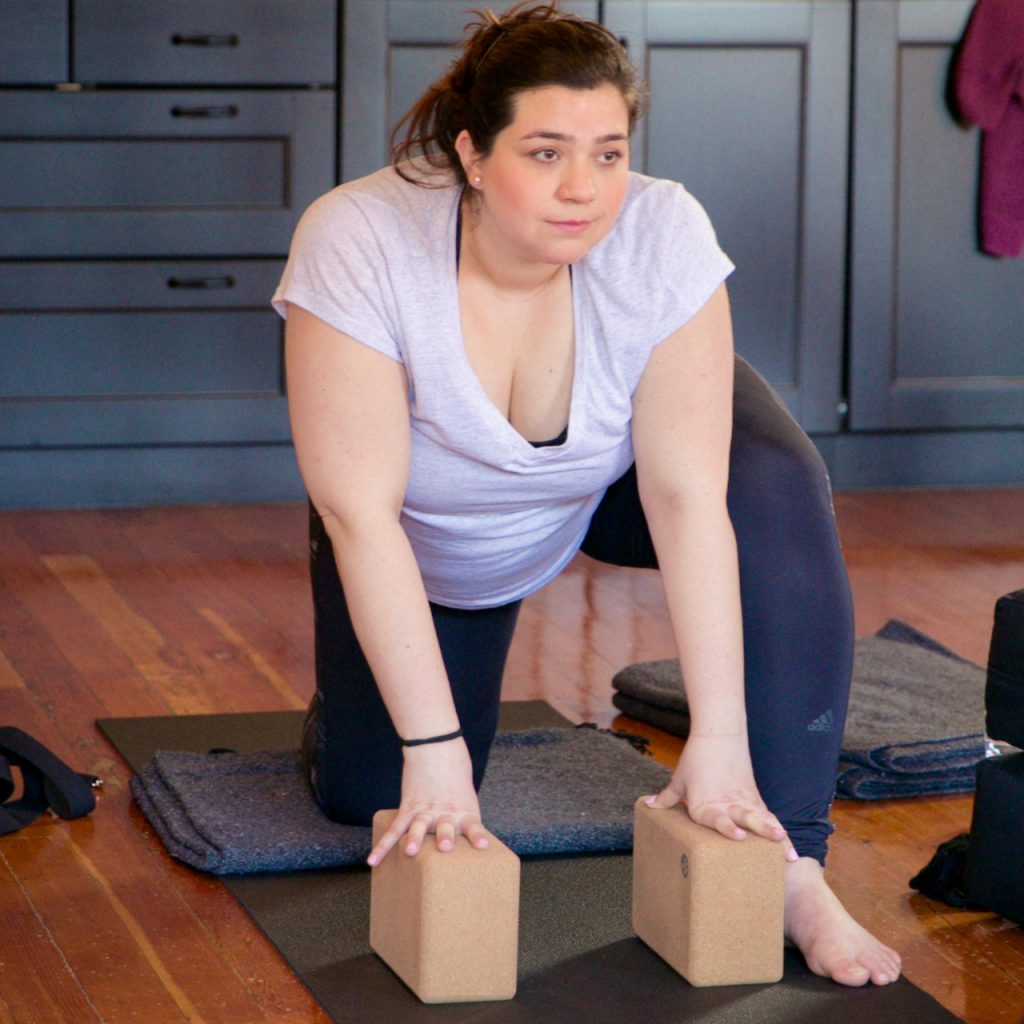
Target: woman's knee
[(774, 466)]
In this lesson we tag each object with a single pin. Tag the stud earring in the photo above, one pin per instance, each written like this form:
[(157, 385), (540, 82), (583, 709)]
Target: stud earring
[(477, 180)]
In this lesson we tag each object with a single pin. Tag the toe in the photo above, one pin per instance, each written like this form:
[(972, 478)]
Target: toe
[(851, 973)]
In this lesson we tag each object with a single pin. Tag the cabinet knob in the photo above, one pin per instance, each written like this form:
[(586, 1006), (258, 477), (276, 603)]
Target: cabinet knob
[(201, 283), (178, 39)]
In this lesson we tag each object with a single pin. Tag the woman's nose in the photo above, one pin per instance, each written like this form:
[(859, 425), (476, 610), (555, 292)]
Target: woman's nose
[(577, 183)]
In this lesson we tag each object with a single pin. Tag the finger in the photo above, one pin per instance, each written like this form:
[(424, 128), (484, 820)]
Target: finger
[(715, 817), (386, 843), (475, 832), (444, 832), (770, 827), (761, 823), (668, 797), (766, 825), (413, 841), (725, 824)]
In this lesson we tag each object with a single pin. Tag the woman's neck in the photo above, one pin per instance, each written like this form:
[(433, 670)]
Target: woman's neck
[(497, 269)]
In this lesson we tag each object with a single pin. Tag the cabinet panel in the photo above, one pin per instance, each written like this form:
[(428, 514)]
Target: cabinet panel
[(263, 42), (749, 178), (936, 330), (33, 42), (749, 106), (116, 353), (403, 46), (160, 173), (146, 352)]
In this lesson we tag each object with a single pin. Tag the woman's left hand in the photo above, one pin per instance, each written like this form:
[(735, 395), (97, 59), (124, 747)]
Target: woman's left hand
[(715, 780)]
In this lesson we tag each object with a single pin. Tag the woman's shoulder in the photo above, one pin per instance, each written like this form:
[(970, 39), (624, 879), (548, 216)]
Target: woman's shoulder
[(660, 222), (383, 204), (660, 204)]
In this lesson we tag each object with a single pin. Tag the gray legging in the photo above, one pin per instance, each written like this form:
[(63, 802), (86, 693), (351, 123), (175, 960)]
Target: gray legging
[(797, 628)]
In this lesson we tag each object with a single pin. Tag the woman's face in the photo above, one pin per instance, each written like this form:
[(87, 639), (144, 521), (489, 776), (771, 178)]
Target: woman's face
[(554, 181)]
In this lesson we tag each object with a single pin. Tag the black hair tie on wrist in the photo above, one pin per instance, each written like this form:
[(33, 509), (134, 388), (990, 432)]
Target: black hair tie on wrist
[(433, 739)]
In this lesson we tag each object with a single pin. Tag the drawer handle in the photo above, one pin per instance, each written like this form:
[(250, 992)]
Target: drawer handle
[(201, 283), (182, 40), (229, 111)]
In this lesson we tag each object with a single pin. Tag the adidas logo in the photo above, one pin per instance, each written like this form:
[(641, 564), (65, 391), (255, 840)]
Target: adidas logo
[(823, 723)]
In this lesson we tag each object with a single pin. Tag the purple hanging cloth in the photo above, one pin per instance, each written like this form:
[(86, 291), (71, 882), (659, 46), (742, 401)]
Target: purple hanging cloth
[(989, 86)]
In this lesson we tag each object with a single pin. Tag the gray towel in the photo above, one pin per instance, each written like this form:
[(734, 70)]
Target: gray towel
[(546, 791), (914, 725)]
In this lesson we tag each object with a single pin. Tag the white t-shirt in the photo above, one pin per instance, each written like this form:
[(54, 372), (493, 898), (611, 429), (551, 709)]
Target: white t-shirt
[(491, 517)]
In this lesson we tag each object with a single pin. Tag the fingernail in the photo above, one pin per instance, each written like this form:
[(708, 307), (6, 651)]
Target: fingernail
[(792, 855), (372, 861), (649, 800)]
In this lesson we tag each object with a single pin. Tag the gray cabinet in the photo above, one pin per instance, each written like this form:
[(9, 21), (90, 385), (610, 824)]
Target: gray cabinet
[(749, 109), (936, 328), (151, 187)]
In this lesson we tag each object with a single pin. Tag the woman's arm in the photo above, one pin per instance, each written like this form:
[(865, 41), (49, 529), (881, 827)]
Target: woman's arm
[(682, 428), (350, 423)]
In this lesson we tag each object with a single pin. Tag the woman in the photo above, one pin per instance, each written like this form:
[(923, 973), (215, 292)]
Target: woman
[(507, 347)]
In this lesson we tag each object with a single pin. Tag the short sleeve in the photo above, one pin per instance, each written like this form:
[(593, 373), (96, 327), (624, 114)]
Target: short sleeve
[(693, 261), (663, 262), (338, 270)]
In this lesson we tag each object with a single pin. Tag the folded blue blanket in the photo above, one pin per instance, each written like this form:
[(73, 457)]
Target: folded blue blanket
[(546, 791), (914, 726)]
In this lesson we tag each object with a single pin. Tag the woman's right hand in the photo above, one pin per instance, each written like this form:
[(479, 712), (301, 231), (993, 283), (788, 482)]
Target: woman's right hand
[(437, 797)]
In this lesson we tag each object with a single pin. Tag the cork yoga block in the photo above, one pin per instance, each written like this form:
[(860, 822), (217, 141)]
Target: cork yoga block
[(447, 923), (709, 906)]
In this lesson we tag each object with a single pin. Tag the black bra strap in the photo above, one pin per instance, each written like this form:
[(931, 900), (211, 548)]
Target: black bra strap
[(47, 782)]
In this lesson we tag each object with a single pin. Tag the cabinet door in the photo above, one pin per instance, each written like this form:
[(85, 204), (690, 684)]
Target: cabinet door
[(33, 42), (159, 173), (393, 50), (936, 327), (147, 352), (749, 105)]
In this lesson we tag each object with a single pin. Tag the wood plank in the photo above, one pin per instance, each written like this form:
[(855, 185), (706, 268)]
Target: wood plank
[(36, 982), (160, 662), (97, 935)]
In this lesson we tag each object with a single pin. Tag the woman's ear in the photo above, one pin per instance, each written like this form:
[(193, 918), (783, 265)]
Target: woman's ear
[(469, 157)]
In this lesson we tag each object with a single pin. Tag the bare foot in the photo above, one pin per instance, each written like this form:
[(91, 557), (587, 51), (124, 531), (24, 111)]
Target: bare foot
[(832, 943)]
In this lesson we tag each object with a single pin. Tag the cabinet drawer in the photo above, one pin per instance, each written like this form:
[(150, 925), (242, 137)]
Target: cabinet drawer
[(101, 174), (264, 42), (33, 42), (148, 352)]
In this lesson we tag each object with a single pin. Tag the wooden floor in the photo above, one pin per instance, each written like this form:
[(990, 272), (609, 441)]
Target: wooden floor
[(186, 610)]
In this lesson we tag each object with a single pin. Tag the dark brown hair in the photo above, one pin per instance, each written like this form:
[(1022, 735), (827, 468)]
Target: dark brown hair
[(530, 46)]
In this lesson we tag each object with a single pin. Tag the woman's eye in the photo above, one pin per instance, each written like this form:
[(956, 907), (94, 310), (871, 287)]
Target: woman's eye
[(611, 157), (545, 155)]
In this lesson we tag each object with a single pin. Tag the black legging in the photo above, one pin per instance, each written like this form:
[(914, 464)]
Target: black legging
[(797, 629)]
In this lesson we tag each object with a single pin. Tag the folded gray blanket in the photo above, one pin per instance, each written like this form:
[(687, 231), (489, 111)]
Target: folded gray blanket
[(915, 724), (546, 791)]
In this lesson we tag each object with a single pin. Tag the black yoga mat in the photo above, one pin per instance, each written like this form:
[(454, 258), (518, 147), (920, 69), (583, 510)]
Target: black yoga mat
[(578, 958)]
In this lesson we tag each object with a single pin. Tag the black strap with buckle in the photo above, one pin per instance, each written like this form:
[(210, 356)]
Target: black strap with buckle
[(47, 782)]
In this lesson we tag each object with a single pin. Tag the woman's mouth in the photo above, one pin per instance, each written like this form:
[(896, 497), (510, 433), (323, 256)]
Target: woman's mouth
[(570, 227)]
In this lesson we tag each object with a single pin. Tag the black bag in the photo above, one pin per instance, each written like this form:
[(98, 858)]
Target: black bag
[(1004, 687), (47, 782), (995, 861)]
